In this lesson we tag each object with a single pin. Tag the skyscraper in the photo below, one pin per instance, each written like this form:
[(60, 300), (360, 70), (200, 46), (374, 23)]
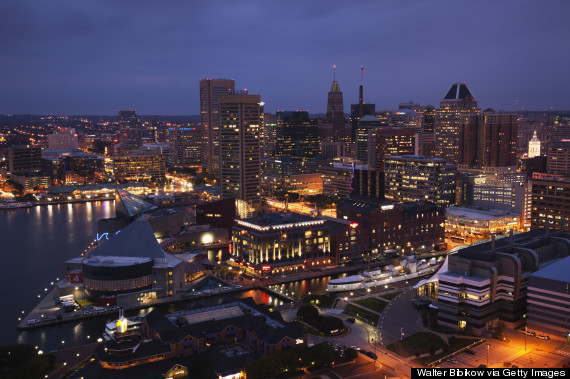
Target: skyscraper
[(210, 90), (129, 132), (240, 120), (497, 139), (357, 111), (185, 145), (452, 121), (335, 113)]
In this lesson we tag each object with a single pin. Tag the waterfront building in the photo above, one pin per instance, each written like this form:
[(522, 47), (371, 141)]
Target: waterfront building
[(147, 166), (549, 301), (64, 139), (280, 241), (210, 90), (125, 268), (240, 119), (31, 181), (386, 141), (452, 123), (483, 285), (411, 227), (416, 178), (229, 335), (476, 223), (23, 158), (130, 134)]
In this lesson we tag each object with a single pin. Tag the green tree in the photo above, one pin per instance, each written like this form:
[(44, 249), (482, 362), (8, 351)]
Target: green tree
[(350, 354), (307, 312)]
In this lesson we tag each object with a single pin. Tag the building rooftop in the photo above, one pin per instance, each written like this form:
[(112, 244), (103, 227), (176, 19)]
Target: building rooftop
[(558, 271), (130, 205), (479, 214), (279, 220), (135, 240), (458, 91)]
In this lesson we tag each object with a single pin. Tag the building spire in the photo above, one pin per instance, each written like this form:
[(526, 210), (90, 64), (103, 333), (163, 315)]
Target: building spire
[(361, 89), (334, 72)]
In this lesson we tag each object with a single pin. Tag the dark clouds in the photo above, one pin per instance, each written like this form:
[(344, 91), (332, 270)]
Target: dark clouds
[(95, 57)]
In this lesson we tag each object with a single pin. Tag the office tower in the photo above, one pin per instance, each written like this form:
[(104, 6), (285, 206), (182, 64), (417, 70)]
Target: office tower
[(406, 118), (210, 90), (451, 122), (558, 157), (385, 142), (335, 114), (296, 144), (414, 178), (497, 139), (357, 111), (268, 134), (23, 158), (185, 142), (365, 125), (338, 176), (534, 146), (146, 166), (240, 120), (427, 113), (129, 132), (560, 127), (64, 139)]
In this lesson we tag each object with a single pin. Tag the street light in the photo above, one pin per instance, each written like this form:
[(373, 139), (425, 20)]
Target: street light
[(401, 333), (488, 346)]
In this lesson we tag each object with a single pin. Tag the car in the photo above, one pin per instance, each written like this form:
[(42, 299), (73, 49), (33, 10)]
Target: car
[(452, 360), (372, 355), (543, 337), (351, 320), (529, 333), (33, 321), (482, 366), (469, 351), (355, 347)]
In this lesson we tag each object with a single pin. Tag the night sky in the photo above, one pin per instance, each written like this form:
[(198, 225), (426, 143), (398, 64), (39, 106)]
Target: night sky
[(99, 56)]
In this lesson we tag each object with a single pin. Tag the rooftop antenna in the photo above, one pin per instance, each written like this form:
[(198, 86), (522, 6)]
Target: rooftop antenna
[(361, 89), (361, 73), (334, 72)]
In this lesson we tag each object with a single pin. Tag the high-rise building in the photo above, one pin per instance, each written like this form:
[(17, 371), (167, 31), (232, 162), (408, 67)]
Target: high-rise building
[(451, 122), (366, 124), (560, 127), (23, 158), (129, 132), (415, 178), (64, 139), (497, 139), (296, 143), (384, 142), (210, 90), (357, 111), (186, 144), (549, 207), (240, 120), (427, 113), (558, 157), (140, 166), (335, 114), (268, 134)]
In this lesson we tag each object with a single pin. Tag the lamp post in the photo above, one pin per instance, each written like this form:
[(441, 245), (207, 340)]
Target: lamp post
[(488, 346), (401, 333)]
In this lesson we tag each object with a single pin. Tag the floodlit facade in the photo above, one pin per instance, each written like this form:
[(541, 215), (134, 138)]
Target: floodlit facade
[(415, 178)]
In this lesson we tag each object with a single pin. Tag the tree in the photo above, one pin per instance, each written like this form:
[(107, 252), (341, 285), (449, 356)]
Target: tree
[(307, 312), (425, 318), (350, 354)]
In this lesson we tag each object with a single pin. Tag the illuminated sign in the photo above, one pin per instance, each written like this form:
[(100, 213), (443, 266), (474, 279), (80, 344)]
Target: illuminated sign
[(386, 207), (266, 267), (353, 225)]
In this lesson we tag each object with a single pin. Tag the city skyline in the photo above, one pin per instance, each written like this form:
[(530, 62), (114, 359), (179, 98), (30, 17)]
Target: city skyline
[(97, 59)]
